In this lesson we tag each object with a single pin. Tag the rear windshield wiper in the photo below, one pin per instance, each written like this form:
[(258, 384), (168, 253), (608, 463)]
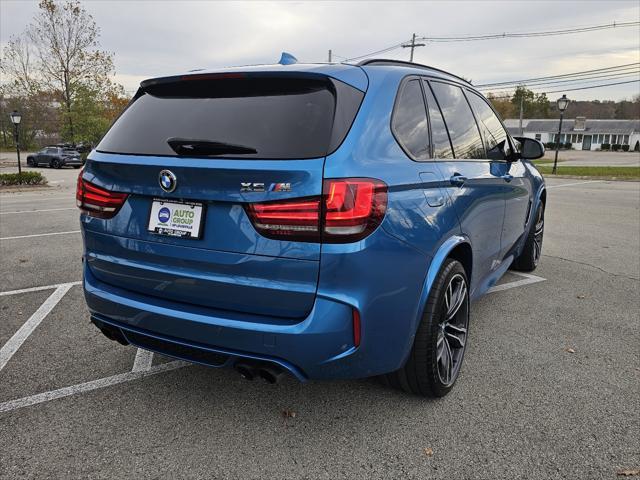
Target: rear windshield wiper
[(191, 146)]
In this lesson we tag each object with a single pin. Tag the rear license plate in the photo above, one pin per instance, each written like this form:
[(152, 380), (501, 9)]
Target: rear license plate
[(176, 219)]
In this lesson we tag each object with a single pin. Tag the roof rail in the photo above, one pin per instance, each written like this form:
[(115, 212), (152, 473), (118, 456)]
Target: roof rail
[(402, 63)]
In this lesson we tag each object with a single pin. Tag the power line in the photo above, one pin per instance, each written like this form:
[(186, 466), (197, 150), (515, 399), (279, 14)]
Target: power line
[(497, 36), (568, 81), (377, 52), (568, 89), (580, 83), (548, 33), (583, 72)]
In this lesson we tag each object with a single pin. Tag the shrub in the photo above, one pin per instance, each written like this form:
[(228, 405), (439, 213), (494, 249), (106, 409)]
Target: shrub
[(568, 146), (550, 145), (605, 146), (625, 148), (24, 178), (615, 147)]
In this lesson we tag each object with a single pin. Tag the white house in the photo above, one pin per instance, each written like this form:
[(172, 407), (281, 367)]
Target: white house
[(582, 133)]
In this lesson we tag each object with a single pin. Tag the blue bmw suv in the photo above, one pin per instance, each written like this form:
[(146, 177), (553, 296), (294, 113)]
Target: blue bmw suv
[(326, 220)]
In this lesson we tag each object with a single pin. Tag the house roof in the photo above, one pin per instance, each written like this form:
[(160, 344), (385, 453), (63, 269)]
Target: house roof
[(591, 126)]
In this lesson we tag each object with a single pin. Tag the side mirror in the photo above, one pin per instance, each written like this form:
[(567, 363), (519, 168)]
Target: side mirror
[(530, 148)]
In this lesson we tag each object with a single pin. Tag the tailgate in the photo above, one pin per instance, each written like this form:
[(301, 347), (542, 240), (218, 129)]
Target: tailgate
[(200, 151)]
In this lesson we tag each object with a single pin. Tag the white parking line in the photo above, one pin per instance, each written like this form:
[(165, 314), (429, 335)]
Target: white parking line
[(40, 235), (576, 183), (142, 365), (17, 197), (528, 279), (36, 211), (88, 386), (18, 338), (143, 360), (37, 289)]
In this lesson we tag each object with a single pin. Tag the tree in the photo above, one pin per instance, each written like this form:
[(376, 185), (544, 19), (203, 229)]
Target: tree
[(65, 39), (502, 105), (59, 79)]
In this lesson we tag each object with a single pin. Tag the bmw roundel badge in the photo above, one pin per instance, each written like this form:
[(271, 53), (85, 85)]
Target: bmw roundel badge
[(168, 181)]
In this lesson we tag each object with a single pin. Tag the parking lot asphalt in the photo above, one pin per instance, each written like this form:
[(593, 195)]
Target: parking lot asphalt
[(549, 389)]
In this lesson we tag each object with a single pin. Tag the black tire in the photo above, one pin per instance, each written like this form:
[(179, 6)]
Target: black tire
[(77, 166), (56, 164), (424, 373), (530, 256), (30, 162)]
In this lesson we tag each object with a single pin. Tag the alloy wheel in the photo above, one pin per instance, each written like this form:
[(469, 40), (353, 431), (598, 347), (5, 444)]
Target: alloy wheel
[(452, 333), (537, 235)]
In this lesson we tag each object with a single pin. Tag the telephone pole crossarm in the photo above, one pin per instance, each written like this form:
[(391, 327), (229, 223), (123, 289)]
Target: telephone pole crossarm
[(413, 45)]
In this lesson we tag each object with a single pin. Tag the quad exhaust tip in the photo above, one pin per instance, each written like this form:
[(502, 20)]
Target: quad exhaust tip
[(246, 371), (268, 373)]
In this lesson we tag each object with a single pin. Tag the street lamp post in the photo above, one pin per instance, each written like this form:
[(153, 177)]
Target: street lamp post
[(563, 103), (15, 119)]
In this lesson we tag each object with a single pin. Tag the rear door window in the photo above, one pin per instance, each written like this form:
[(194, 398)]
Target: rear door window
[(409, 123), (246, 117), (495, 137), (463, 131), (439, 135)]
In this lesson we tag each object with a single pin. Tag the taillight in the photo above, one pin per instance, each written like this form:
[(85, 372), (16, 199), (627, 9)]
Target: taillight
[(354, 207), (96, 201), (289, 220), (348, 211)]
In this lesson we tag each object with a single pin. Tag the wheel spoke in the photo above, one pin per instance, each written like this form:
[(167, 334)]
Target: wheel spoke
[(459, 297), (439, 346), (448, 362), (455, 335)]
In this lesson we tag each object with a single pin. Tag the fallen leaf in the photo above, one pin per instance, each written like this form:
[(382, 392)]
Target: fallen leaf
[(23, 260), (288, 414), (581, 296), (628, 472), (569, 350), (428, 452)]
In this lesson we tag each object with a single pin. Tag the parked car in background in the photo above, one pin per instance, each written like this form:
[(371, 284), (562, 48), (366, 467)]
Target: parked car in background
[(330, 221), (55, 157)]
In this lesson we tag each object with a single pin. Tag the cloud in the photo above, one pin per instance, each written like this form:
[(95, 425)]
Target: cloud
[(151, 38)]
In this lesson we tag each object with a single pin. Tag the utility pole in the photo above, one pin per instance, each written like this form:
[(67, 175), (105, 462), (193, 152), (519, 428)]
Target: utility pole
[(329, 56), (413, 45), (521, 109)]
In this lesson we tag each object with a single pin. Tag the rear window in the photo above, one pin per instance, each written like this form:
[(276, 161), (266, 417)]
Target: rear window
[(251, 117)]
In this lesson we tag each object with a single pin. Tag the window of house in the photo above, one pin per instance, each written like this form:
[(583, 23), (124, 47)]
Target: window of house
[(606, 139), (463, 131), (625, 139), (579, 138), (538, 136), (410, 121), (439, 135)]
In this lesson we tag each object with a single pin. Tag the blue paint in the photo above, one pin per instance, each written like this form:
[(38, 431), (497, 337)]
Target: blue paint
[(248, 296)]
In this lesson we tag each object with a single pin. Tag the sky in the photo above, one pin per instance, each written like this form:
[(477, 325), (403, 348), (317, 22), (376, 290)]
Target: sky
[(154, 38)]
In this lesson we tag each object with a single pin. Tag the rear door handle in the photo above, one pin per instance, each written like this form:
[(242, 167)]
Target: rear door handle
[(457, 180), (507, 177)]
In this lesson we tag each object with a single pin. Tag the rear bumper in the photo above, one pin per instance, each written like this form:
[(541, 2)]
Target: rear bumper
[(305, 349), (386, 292)]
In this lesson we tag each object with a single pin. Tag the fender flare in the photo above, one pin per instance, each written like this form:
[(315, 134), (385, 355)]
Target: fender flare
[(434, 268)]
